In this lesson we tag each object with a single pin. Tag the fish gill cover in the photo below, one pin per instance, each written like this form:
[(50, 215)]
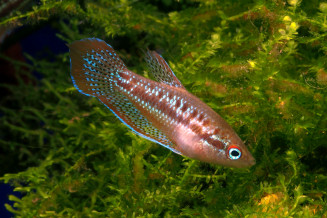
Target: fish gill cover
[(260, 64)]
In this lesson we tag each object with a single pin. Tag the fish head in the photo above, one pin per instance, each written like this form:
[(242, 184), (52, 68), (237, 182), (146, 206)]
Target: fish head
[(233, 154), (237, 155), (223, 147)]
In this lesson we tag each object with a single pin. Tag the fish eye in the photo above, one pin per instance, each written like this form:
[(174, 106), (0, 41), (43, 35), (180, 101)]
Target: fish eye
[(234, 152)]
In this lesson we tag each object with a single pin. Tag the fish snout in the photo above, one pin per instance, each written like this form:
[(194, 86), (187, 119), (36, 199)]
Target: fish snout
[(251, 161)]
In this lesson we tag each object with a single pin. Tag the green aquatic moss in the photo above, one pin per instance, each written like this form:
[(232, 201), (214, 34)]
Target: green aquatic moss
[(260, 64)]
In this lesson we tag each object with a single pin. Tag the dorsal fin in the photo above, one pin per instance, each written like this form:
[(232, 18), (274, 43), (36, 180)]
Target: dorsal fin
[(161, 70)]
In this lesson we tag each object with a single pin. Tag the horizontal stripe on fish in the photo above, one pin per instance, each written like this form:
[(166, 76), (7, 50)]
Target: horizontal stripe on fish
[(169, 109)]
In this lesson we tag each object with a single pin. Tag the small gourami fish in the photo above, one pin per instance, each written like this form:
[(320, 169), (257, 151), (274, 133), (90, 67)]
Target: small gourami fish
[(162, 111)]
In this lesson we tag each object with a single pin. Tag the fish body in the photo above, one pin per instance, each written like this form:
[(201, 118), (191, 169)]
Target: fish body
[(162, 111)]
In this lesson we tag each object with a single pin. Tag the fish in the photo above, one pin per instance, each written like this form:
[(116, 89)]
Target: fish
[(160, 110)]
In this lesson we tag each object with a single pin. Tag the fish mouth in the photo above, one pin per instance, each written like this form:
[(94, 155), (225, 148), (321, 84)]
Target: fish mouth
[(250, 161), (245, 163)]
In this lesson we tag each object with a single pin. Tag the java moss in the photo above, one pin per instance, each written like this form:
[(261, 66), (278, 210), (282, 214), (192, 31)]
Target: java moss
[(260, 64)]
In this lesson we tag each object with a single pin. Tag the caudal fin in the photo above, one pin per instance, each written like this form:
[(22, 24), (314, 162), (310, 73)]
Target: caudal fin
[(94, 66)]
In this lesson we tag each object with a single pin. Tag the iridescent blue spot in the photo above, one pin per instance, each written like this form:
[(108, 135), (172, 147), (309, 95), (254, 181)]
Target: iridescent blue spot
[(87, 60)]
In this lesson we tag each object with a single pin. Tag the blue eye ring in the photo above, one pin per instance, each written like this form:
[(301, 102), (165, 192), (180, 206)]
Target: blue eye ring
[(234, 152)]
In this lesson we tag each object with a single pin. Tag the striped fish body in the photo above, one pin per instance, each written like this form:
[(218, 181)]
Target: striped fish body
[(162, 111)]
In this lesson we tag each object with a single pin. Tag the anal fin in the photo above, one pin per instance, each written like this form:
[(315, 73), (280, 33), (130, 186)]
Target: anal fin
[(121, 106)]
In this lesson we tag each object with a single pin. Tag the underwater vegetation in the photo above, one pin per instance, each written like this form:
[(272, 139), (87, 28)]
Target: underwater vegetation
[(260, 64)]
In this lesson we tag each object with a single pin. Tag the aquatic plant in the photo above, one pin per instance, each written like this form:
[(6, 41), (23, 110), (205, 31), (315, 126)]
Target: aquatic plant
[(260, 64)]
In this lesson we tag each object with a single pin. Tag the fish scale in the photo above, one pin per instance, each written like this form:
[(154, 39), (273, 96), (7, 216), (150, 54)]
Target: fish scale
[(162, 108), (162, 111)]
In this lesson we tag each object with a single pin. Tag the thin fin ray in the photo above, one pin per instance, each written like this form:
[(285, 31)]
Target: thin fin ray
[(133, 118), (161, 70)]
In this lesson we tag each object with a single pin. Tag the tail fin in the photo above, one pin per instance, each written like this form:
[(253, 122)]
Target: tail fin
[(94, 66)]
